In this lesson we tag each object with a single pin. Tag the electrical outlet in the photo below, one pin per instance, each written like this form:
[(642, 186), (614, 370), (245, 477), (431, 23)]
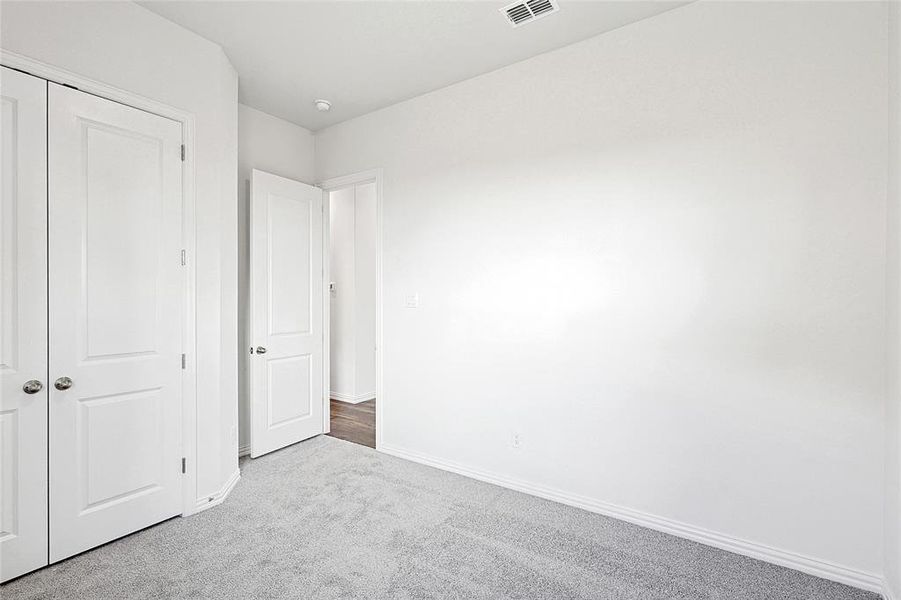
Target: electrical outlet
[(515, 440)]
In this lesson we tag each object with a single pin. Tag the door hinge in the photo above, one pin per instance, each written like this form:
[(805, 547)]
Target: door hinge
[(183, 463), (182, 153), (183, 360), (184, 258)]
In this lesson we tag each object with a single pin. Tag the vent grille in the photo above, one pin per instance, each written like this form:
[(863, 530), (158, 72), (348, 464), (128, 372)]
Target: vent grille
[(520, 13), (539, 7)]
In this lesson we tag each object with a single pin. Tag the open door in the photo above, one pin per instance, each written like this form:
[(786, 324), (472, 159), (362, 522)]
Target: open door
[(286, 313)]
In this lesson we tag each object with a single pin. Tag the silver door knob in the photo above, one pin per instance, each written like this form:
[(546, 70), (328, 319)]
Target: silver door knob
[(63, 383), (32, 386), (261, 350)]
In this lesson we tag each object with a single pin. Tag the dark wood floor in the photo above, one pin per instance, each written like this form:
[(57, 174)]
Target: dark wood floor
[(354, 422)]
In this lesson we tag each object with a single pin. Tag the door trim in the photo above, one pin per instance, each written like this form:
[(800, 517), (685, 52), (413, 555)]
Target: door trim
[(330, 185), (189, 342)]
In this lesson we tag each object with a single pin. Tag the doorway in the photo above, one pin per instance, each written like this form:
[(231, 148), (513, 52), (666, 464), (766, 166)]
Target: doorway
[(354, 307)]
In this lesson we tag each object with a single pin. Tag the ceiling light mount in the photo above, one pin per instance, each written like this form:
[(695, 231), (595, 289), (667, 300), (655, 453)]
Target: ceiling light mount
[(322, 105)]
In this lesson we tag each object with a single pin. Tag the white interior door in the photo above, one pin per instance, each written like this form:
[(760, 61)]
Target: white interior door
[(23, 324), (286, 312), (115, 201)]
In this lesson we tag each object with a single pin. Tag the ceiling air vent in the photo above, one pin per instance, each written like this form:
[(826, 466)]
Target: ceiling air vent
[(520, 13)]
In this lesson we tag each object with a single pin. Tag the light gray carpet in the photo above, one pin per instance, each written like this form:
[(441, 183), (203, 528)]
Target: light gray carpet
[(328, 519)]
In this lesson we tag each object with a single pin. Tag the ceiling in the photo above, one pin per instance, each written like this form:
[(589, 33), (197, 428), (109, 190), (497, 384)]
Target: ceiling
[(362, 56)]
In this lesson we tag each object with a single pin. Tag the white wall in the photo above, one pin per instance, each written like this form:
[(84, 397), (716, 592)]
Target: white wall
[(276, 146), (893, 277), (364, 274), (342, 347), (124, 45), (659, 256), (352, 266)]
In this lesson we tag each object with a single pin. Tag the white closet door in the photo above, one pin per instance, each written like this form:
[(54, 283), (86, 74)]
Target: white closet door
[(286, 312), (23, 324), (115, 197)]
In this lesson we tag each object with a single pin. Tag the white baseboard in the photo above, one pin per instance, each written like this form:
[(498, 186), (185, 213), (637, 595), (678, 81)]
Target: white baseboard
[(888, 594), (806, 564), (350, 398), (244, 450), (219, 496)]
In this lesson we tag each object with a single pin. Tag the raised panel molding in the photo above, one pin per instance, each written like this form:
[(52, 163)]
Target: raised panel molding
[(113, 470), (286, 375), (290, 307), (9, 489), (9, 280), (121, 277)]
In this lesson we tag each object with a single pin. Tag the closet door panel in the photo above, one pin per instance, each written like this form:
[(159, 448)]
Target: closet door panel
[(23, 323), (115, 320)]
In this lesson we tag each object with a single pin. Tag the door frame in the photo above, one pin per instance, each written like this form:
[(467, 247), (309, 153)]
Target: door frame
[(330, 185), (189, 341)]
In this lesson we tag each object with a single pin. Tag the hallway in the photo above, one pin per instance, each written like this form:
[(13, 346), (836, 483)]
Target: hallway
[(354, 422)]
